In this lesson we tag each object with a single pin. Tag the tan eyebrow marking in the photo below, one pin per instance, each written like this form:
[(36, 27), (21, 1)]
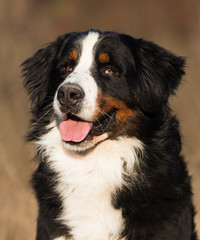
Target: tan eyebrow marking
[(73, 55), (104, 57)]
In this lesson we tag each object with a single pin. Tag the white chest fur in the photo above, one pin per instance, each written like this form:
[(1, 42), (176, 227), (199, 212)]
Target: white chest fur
[(86, 184)]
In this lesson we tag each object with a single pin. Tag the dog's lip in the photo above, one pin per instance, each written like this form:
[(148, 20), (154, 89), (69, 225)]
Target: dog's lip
[(100, 126)]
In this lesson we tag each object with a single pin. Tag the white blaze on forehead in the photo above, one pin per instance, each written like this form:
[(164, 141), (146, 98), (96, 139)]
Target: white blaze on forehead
[(87, 55), (82, 76)]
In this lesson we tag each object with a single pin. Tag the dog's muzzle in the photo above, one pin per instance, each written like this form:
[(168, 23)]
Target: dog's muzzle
[(73, 127)]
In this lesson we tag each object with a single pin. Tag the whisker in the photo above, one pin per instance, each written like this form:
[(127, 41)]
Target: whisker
[(49, 105), (48, 99), (43, 116), (99, 123), (114, 120)]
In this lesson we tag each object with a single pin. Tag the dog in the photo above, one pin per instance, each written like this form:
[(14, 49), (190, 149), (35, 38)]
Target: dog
[(107, 142)]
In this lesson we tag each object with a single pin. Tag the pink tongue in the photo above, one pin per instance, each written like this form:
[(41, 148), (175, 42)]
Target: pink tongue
[(75, 131)]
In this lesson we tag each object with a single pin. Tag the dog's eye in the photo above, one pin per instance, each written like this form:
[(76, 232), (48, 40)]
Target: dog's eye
[(66, 69), (69, 68), (109, 71)]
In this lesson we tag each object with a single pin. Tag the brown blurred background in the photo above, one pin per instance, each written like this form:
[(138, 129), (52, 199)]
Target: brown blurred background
[(27, 25)]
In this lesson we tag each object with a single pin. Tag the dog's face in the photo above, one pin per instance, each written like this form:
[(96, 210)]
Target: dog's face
[(97, 83), (94, 98)]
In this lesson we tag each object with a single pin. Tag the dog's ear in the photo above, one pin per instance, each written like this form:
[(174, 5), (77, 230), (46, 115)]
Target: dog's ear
[(37, 69), (158, 75)]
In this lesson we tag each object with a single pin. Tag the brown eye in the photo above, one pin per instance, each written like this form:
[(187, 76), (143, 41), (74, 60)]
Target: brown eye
[(109, 71), (69, 68)]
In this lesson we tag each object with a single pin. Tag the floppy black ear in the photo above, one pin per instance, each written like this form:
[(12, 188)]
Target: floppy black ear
[(158, 75), (37, 69)]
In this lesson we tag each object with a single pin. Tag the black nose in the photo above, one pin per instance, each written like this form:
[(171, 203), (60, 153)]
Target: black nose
[(70, 94)]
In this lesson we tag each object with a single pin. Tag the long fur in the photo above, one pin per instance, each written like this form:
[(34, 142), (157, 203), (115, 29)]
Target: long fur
[(130, 182)]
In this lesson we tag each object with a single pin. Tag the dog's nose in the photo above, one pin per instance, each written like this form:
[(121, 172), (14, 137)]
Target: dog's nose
[(70, 94)]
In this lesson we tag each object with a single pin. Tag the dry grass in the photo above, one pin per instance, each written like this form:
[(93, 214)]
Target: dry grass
[(26, 25)]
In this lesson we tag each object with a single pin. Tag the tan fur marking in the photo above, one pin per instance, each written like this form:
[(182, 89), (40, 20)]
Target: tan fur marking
[(104, 57), (107, 103), (73, 55)]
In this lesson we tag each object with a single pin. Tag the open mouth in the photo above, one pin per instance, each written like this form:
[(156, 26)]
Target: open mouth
[(75, 130)]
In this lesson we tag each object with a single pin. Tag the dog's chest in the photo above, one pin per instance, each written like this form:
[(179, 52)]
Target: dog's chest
[(86, 186), (87, 183)]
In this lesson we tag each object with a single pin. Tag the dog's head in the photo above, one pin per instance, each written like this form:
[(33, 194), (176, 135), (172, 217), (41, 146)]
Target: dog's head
[(96, 81)]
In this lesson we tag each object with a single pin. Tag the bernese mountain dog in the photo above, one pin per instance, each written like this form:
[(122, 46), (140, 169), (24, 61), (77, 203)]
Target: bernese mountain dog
[(107, 142)]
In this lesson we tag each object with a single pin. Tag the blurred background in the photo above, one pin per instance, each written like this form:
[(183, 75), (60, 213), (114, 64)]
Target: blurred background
[(26, 25)]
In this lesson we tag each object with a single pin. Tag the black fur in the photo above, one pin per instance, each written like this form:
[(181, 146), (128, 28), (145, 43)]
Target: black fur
[(158, 204)]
